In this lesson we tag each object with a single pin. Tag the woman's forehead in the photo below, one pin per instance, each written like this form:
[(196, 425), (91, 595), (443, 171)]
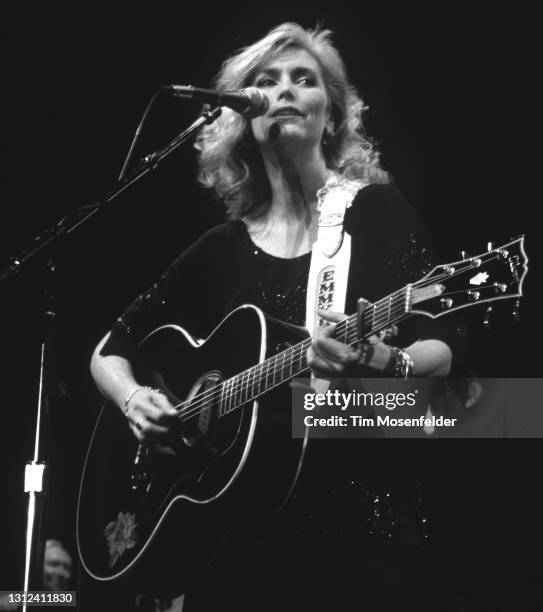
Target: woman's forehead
[(290, 58)]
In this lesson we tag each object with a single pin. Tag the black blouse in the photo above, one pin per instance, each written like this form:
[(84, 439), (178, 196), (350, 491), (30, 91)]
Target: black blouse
[(225, 269)]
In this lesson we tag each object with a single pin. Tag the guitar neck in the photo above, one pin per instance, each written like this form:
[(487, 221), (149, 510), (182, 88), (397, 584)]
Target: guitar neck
[(274, 371)]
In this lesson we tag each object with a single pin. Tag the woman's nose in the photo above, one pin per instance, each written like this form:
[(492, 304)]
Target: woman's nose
[(285, 90)]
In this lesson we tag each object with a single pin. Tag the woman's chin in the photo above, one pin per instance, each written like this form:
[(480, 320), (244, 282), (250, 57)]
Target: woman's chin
[(289, 135)]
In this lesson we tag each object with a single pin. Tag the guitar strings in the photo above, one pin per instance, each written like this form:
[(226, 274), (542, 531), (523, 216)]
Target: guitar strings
[(258, 373), (348, 326), (237, 394), (235, 385), (253, 375), (237, 390)]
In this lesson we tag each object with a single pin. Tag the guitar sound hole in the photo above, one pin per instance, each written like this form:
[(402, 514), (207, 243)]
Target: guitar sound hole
[(204, 400)]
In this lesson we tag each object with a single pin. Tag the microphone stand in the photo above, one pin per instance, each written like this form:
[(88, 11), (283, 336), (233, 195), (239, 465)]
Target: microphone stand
[(36, 469)]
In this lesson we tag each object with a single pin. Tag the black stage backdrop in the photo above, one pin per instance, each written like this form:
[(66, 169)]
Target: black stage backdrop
[(453, 96)]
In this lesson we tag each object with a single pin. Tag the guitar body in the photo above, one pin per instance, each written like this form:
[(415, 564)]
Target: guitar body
[(156, 519)]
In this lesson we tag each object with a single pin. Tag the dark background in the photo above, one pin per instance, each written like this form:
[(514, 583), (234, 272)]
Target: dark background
[(454, 107)]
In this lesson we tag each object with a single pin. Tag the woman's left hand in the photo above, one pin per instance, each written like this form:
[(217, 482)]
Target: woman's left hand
[(329, 358)]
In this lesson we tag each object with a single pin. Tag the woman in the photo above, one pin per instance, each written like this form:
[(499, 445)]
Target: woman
[(269, 171)]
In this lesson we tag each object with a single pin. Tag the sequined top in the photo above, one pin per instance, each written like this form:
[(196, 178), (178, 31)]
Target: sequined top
[(281, 282)]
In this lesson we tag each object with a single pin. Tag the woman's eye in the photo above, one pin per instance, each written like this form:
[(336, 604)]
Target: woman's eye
[(265, 82), (307, 81)]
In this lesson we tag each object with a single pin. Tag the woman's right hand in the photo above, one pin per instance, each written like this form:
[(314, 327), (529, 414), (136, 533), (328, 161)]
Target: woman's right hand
[(152, 418)]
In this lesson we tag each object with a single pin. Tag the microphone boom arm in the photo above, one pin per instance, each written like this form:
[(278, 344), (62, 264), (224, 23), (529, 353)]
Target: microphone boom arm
[(74, 219)]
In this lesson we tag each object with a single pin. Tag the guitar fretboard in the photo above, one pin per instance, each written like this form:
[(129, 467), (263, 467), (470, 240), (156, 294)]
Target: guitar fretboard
[(274, 371)]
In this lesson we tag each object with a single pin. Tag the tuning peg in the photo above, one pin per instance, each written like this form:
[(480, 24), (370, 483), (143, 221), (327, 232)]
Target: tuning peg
[(490, 246), (516, 311), (463, 254), (486, 320)]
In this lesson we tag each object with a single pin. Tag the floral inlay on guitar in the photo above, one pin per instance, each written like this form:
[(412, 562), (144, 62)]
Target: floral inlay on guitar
[(121, 535)]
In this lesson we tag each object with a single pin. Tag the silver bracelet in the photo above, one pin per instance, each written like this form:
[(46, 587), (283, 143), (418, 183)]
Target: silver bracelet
[(407, 365), (131, 395), (400, 364)]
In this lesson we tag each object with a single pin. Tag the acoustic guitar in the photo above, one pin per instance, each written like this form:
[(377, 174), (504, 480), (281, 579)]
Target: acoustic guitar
[(157, 518)]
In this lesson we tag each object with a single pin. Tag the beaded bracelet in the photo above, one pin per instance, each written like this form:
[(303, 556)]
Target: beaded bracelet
[(131, 395), (400, 364)]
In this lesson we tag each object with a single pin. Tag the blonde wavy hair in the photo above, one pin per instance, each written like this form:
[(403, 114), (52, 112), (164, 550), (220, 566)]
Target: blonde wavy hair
[(229, 158)]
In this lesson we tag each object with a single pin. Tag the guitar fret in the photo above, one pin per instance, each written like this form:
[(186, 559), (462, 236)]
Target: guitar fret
[(263, 368), (389, 306), (264, 374), (287, 365), (259, 369), (233, 390), (240, 388), (271, 373), (285, 370), (274, 361), (225, 397), (250, 383), (259, 377), (221, 400), (237, 393), (291, 363), (230, 394), (245, 386)]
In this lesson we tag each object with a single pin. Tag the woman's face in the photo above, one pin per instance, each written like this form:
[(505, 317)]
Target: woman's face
[(299, 105)]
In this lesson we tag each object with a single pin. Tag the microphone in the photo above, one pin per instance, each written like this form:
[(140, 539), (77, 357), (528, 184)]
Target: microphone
[(249, 102)]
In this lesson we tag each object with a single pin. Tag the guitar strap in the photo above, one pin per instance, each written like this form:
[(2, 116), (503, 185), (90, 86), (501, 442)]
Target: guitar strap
[(330, 257)]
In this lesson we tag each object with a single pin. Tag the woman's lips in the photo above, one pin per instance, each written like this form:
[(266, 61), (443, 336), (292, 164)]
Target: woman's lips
[(287, 112)]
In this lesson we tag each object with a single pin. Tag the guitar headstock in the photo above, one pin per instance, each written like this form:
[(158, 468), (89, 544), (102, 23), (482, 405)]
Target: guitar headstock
[(497, 274)]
